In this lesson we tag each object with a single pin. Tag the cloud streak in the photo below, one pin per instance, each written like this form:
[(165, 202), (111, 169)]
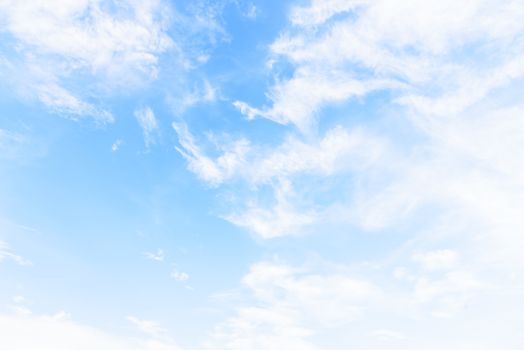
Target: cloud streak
[(7, 254), (149, 124)]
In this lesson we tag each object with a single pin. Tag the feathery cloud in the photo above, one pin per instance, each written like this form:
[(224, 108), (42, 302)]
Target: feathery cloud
[(148, 122)]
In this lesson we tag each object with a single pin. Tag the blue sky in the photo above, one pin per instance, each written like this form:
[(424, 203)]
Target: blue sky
[(252, 175)]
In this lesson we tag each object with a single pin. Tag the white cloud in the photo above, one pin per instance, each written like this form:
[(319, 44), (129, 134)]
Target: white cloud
[(292, 306), (62, 101), (158, 256), (337, 152), (116, 145), (277, 219), (250, 11), (151, 328), (469, 172), (58, 42), (19, 299), (387, 335), (201, 93), (10, 143), (148, 122), (451, 73), (298, 100), (326, 296), (59, 332), (452, 283), (381, 46), (108, 41), (212, 171), (7, 254), (179, 276), (319, 11), (333, 306), (437, 260)]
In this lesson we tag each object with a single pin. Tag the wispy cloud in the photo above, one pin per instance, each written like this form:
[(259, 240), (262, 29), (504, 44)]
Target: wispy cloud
[(293, 304), (157, 256), (179, 276), (201, 93), (283, 217), (297, 101), (10, 143), (117, 46), (213, 171), (340, 151), (7, 254), (250, 11), (145, 326), (148, 122), (399, 125), (62, 333), (435, 84), (306, 307), (116, 145), (437, 162)]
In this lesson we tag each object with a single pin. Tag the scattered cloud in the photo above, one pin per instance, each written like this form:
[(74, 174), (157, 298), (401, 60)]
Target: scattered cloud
[(448, 75), (448, 72), (373, 46)]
